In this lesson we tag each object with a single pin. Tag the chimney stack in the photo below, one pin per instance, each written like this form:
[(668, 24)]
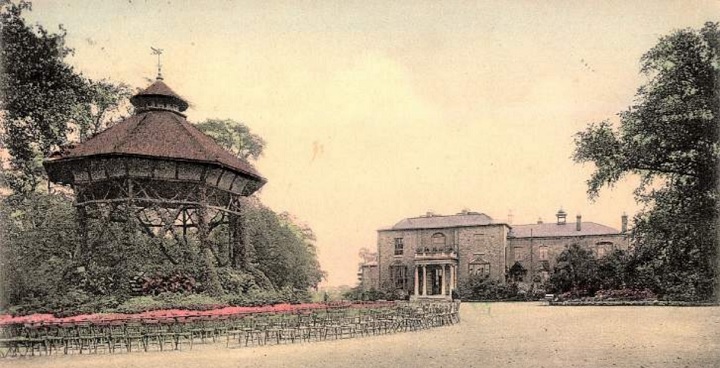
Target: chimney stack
[(624, 221), (578, 224)]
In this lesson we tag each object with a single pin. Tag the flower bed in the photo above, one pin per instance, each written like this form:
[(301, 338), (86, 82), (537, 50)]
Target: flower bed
[(7, 319)]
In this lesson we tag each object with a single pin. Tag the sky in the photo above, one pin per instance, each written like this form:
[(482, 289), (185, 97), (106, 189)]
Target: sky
[(375, 111)]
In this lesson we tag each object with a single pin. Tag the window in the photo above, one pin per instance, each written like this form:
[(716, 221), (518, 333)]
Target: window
[(480, 269), (399, 246), (479, 240), (543, 253), (517, 251), (601, 252), (438, 240), (398, 274), (479, 266), (603, 248)]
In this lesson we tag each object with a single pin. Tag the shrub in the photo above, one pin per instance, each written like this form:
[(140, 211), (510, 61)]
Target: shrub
[(574, 294), (625, 294), (235, 281), (177, 282), (71, 303), (483, 288), (366, 295), (170, 301), (257, 297), (139, 304)]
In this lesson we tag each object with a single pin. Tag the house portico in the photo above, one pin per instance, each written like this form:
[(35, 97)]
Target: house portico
[(435, 273)]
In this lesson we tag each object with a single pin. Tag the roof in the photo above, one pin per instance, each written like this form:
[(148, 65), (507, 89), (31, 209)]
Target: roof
[(159, 88), (160, 134), (554, 229), (437, 222)]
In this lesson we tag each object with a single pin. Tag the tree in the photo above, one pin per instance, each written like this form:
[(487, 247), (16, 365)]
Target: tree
[(45, 105), (282, 249), (576, 270), (234, 136), (109, 103), (42, 97), (612, 271), (669, 138)]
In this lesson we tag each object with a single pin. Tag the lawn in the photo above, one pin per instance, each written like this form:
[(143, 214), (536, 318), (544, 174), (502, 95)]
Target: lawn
[(489, 335)]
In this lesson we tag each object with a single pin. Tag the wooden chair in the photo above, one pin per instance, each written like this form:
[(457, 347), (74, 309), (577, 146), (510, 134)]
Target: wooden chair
[(182, 331), (11, 340), (135, 336)]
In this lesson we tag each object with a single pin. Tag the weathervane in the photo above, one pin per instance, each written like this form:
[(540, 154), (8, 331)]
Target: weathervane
[(158, 52)]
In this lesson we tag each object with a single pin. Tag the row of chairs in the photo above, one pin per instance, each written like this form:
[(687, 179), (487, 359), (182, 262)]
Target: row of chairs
[(261, 330), (175, 333), (86, 337)]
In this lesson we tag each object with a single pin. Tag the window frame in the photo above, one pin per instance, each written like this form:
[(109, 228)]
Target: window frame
[(479, 268), (517, 254), (399, 276), (543, 253), (399, 247), (438, 235)]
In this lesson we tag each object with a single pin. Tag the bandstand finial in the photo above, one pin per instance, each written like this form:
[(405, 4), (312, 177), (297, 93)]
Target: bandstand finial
[(158, 52)]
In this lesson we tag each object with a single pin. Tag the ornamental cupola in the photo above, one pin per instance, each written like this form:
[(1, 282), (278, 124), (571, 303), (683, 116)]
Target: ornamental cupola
[(158, 96), (561, 217)]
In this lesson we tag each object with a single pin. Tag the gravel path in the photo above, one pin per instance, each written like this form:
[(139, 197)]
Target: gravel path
[(490, 335)]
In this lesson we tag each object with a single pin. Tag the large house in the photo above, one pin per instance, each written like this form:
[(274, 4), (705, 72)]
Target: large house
[(428, 256)]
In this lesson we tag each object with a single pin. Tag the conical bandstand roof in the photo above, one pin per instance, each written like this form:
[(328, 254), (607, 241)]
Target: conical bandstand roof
[(158, 131)]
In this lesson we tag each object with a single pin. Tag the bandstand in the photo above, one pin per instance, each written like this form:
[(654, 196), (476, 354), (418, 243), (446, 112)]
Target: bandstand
[(159, 171)]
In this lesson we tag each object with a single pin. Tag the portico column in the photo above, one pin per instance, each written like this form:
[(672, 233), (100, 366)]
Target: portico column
[(452, 278), (417, 282), (443, 281), (424, 285)]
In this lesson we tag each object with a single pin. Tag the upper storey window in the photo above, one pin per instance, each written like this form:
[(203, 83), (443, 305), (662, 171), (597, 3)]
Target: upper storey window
[(603, 248), (399, 246), (438, 240), (543, 252)]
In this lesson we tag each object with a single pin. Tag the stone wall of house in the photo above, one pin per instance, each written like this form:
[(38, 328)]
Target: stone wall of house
[(488, 242), (548, 248), (369, 277), (386, 257)]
